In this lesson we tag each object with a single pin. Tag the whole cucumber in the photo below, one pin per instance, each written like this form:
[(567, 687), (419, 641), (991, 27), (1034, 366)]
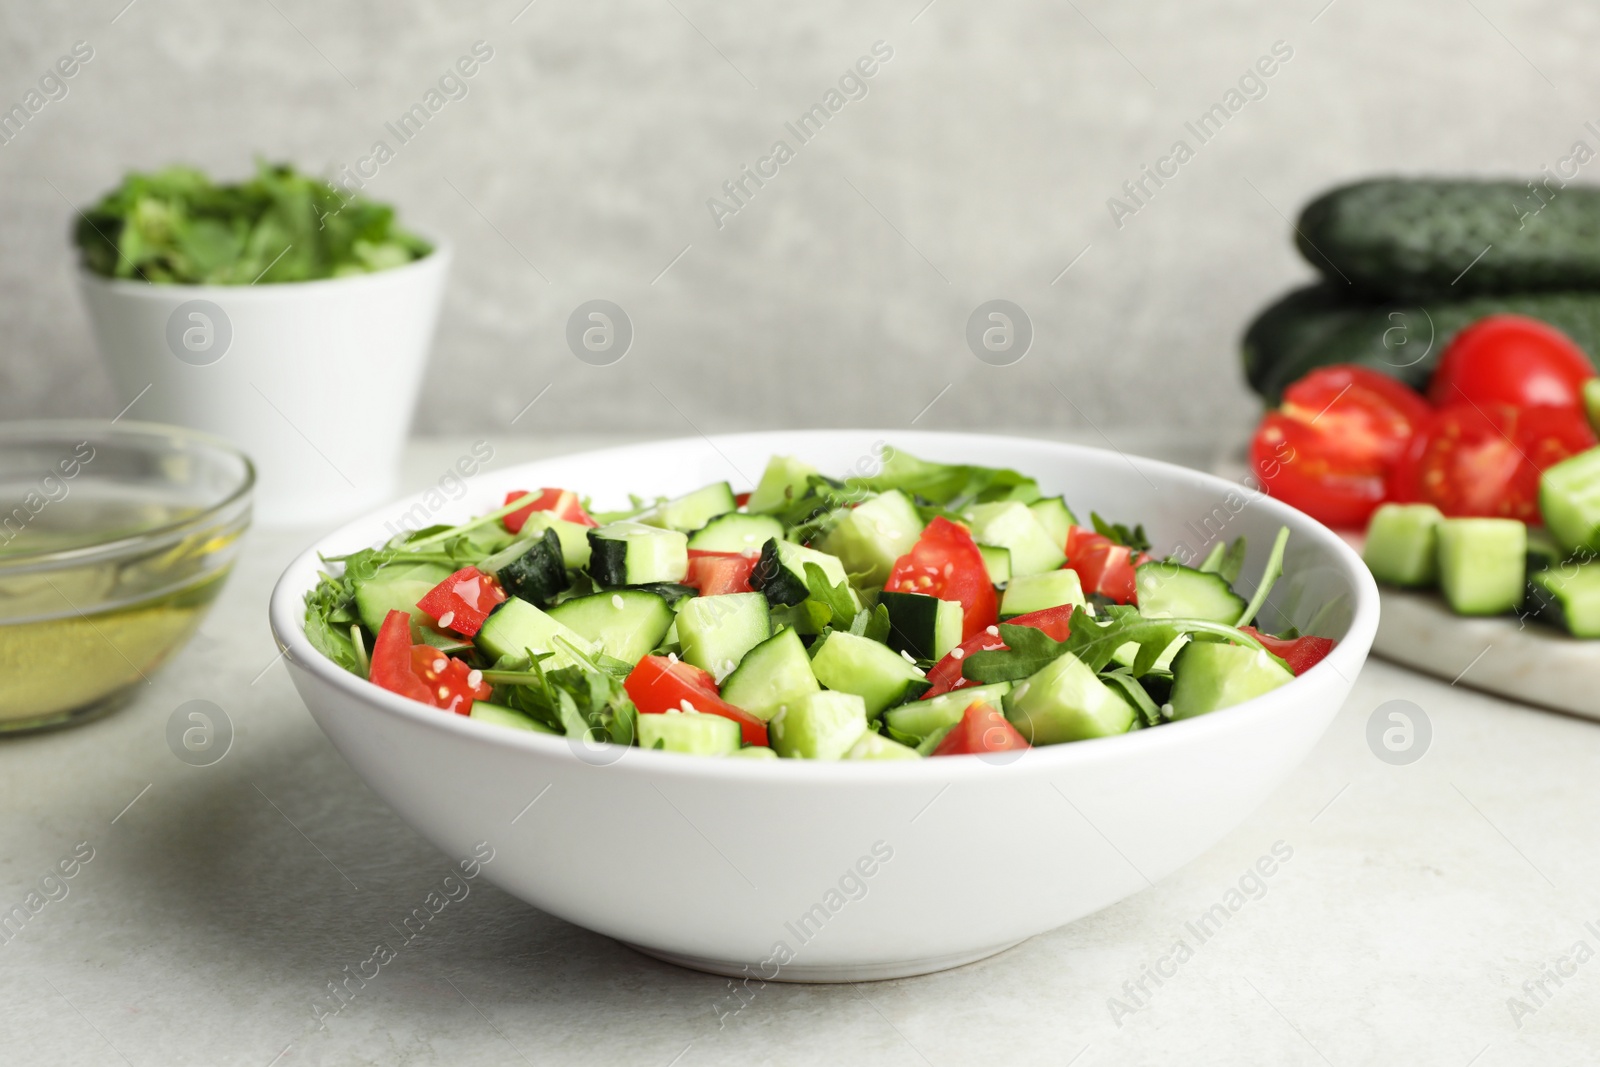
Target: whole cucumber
[(1319, 324), (1418, 238)]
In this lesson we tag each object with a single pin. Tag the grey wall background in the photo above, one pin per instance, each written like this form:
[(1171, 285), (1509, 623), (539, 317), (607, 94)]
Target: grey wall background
[(978, 166)]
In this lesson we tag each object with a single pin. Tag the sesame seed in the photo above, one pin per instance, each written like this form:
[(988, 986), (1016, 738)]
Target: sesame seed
[(956, 653), (474, 678), (685, 705), (447, 618), (440, 664), (992, 631), (909, 657), (616, 601), (672, 657)]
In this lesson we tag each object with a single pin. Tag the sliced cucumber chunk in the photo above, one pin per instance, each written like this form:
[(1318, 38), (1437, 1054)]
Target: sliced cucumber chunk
[(880, 677), (717, 631), (781, 572), (1055, 517), (689, 732), (1483, 564), (783, 480), (625, 623), (538, 573), (1208, 675), (631, 553), (574, 537), (1403, 544), (1036, 592), (874, 746), (1010, 524), (1065, 701), (500, 715), (997, 561), (818, 726), (692, 510), (734, 532), (869, 538), (1569, 499), (397, 588), (1569, 596), (516, 628), (922, 625), (922, 718), (771, 675), (1169, 590)]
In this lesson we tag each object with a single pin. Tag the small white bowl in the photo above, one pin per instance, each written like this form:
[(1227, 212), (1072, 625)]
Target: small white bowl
[(822, 872), (315, 380)]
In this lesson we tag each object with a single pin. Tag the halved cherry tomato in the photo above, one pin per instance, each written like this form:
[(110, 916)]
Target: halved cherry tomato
[(1485, 459), (449, 682), (1102, 565), (390, 666), (562, 503), (462, 601), (1329, 448), (658, 684), (946, 674), (1511, 359), (716, 573), (981, 729), (1300, 653), (945, 562)]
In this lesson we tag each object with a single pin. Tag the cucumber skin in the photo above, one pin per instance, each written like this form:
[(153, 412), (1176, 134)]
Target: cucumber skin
[(1319, 325), (1412, 239)]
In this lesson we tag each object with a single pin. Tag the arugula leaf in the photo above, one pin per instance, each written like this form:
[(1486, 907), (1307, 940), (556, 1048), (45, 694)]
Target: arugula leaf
[(1028, 650), (330, 614), (584, 700), (1149, 713), (826, 604), (1120, 534), (1096, 640), (877, 627), (1226, 560), (1269, 576), (176, 226), (949, 485)]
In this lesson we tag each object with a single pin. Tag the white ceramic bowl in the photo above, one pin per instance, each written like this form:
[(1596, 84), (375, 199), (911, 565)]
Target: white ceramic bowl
[(803, 871), (314, 380)]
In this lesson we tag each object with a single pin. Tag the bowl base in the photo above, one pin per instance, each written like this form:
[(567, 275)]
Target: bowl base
[(830, 973)]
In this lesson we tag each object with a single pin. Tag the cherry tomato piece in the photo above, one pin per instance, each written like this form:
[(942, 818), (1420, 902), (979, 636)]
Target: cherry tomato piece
[(945, 562), (658, 684), (1511, 359), (462, 601), (981, 729)]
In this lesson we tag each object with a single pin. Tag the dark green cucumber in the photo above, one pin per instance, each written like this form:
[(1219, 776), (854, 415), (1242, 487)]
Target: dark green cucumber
[(539, 573), (1322, 324), (922, 625), (1416, 238), (631, 553)]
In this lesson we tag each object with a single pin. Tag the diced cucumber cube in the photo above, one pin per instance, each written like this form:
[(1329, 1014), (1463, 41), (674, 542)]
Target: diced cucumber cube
[(783, 480), (397, 587), (818, 726), (1208, 675), (500, 715), (516, 628), (774, 673), (997, 561), (869, 538), (717, 631), (689, 732), (1569, 500), (923, 718), (625, 623), (1569, 596), (1055, 517), (852, 664), (923, 625), (1036, 592), (632, 553), (874, 746), (692, 510), (1403, 544), (1010, 524), (1482, 564), (1065, 701), (1168, 590)]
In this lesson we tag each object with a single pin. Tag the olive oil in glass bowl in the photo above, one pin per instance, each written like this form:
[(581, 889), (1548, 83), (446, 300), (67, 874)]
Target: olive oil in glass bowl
[(114, 541)]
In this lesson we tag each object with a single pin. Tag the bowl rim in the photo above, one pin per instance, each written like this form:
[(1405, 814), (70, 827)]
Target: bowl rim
[(286, 619), (33, 429), (439, 257)]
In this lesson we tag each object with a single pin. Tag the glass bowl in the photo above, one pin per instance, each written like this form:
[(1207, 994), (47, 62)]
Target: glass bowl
[(114, 540)]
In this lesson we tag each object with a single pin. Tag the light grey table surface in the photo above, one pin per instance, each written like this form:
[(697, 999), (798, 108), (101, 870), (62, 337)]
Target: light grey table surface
[(1415, 903)]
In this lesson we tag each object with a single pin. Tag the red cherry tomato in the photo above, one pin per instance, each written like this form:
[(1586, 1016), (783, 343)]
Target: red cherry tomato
[(741, 499), (1329, 449), (658, 684), (390, 666), (981, 729), (1102, 565), (946, 675), (562, 503), (1300, 653), (1510, 359), (450, 683), (945, 562), (462, 601), (716, 573), (1486, 459)]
